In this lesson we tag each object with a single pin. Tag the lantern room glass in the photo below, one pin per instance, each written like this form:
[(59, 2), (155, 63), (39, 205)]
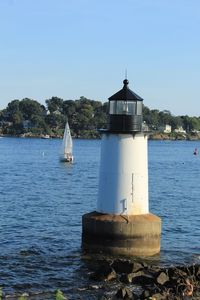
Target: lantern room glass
[(139, 108), (121, 107)]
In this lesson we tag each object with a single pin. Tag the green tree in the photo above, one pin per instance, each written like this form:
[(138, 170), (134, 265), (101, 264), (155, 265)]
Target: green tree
[(13, 107), (55, 121), (194, 123), (54, 104), (29, 108), (176, 122), (186, 122), (154, 119), (69, 111), (165, 117), (17, 118)]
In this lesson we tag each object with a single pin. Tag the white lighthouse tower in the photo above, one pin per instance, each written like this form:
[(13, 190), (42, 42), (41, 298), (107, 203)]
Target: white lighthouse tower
[(122, 223)]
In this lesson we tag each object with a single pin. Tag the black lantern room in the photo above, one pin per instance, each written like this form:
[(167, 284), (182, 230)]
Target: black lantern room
[(125, 111)]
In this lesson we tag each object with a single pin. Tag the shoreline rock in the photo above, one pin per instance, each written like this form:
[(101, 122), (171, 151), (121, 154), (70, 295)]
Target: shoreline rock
[(154, 282)]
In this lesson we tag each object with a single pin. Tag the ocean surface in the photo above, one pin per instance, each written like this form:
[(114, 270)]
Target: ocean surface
[(42, 201)]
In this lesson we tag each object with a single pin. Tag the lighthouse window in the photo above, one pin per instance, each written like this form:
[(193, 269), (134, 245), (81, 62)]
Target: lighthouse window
[(125, 108), (121, 107), (113, 108), (132, 107), (117, 107), (139, 108)]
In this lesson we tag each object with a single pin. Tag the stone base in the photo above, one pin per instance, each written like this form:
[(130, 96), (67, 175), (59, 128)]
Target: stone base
[(135, 235)]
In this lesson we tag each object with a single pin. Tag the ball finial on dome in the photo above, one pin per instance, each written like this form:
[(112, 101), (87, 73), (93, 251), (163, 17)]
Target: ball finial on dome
[(125, 82)]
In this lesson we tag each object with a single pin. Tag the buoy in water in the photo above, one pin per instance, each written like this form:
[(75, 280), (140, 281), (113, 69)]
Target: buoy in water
[(195, 151)]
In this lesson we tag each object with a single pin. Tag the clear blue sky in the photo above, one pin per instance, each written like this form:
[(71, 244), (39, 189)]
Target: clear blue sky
[(73, 48)]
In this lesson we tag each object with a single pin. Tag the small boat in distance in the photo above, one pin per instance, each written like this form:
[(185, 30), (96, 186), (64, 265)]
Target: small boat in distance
[(45, 136), (67, 146)]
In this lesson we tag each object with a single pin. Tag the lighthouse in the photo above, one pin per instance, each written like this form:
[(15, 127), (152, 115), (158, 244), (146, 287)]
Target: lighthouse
[(122, 223)]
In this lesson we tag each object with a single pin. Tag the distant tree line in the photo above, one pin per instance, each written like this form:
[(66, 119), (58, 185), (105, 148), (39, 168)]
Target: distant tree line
[(85, 116), (29, 116), (155, 119)]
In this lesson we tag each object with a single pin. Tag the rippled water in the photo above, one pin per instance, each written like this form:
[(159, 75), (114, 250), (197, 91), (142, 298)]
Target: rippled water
[(42, 201), (174, 181)]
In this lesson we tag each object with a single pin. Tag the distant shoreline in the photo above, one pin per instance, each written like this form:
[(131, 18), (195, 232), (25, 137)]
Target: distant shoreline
[(175, 136), (157, 136)]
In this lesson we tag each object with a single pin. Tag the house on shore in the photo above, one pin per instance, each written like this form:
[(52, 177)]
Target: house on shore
[(180, 130), (165, 128)]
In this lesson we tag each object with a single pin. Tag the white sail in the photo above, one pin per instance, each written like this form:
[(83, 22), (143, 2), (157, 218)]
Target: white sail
[(67, 145)]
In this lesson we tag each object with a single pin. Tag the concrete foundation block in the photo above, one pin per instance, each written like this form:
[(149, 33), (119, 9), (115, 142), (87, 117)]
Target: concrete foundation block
[(133, 235)]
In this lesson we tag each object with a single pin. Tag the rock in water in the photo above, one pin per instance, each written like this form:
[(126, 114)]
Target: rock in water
[(124, 293), (162, 278)]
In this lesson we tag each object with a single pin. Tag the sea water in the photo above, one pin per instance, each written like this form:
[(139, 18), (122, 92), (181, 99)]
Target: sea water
[(42, 201)]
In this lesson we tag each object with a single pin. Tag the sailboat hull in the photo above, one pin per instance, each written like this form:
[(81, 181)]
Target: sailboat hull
[(67, 159)]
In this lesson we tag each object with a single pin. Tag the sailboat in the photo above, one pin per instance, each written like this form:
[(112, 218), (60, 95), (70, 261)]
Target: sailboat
[(67, 146)]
